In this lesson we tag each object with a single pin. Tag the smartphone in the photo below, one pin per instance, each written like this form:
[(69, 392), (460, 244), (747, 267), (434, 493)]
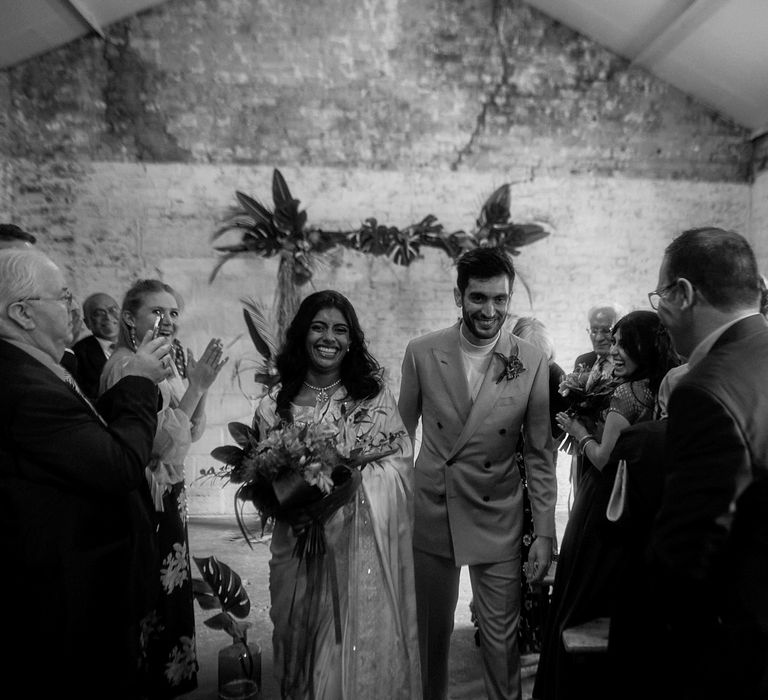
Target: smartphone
[(156, 327)]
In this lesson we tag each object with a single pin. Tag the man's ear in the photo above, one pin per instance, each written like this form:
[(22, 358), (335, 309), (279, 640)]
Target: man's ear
[(18, 312), (687, 293), (457, 296)]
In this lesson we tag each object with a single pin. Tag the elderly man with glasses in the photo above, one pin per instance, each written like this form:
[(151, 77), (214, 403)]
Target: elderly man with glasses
[(71, 531), (101, 315)]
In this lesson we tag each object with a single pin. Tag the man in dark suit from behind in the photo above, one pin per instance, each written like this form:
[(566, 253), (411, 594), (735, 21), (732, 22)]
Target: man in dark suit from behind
[(709, 543), (101, 315), (69, 474)]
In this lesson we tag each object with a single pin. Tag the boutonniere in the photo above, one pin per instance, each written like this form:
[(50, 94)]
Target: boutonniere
[(512, 367)]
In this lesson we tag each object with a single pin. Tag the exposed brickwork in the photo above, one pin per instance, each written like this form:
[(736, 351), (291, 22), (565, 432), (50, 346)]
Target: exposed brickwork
[(384, 84)]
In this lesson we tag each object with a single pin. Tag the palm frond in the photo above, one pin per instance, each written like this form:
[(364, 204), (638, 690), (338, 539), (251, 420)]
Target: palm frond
[(220, 262), (260, 329), (258, 211), (280, 192), (495, 210)]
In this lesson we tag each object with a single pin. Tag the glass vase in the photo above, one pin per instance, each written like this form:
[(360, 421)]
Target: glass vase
[(240, 671)]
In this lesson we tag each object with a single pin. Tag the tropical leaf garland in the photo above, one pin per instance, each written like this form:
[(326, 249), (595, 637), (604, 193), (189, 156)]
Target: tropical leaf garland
[(284, 231)]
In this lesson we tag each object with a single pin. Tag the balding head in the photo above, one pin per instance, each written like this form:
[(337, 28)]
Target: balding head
[(35, 305), (101, 314), (601, 319)]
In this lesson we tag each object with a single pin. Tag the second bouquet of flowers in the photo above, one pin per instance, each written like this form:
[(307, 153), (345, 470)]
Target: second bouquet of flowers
[(589, 395)]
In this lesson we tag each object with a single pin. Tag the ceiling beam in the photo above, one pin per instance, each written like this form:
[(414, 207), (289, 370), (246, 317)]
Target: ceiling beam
[(85, 13), (680, 28)]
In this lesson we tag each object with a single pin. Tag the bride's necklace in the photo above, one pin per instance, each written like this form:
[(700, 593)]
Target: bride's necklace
[(321, 392)]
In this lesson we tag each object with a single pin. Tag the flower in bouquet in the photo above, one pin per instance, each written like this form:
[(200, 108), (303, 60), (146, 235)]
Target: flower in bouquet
[(588, 395), (302, 472)]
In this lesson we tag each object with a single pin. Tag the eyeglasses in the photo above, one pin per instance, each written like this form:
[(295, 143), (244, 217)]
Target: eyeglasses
[(104, 314), (657, 295), (66, 296), (594, 332)]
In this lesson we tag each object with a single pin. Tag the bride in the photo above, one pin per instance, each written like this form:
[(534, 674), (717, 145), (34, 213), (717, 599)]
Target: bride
[(326, 372)]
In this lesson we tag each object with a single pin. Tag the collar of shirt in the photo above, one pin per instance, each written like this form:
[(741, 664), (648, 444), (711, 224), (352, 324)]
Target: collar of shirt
[(42, 357), (106, 345), (701, 350)]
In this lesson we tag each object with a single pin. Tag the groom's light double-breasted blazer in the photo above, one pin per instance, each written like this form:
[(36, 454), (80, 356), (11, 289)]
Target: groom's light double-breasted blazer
[(469, 495)]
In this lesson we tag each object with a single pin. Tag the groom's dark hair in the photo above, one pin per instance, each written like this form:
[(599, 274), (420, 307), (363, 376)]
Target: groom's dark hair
[(483, 263)]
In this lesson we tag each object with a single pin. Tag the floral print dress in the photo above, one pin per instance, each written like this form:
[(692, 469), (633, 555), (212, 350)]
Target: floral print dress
[(168, 659)]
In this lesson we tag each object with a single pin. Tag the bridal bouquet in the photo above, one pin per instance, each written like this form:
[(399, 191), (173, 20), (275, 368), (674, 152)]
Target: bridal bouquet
[(302, 472), (588, 397)]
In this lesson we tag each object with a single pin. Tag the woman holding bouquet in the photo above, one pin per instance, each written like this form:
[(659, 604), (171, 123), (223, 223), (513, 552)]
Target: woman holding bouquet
[(590, 558), (348, 628), (168, 664)]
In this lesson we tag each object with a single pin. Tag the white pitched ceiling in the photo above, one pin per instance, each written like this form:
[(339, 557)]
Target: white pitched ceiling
[(714, 50), (32, 27)]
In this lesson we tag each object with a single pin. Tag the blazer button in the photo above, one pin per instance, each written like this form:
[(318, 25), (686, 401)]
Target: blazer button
[(487, 465), (503, 431), (451, 462), (439, 425), (486, 499)]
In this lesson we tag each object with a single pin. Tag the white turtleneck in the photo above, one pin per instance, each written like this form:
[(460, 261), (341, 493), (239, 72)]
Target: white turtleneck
[(476, 359)]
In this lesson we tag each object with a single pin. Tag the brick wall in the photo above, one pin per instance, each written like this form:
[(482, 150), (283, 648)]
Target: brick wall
[(123, 158)]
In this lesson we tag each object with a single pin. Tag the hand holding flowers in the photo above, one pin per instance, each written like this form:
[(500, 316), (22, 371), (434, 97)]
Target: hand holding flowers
[(301, 472), (589, 397)]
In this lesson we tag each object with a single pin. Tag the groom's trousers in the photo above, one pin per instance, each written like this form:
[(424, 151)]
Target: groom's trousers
[(496, 600)]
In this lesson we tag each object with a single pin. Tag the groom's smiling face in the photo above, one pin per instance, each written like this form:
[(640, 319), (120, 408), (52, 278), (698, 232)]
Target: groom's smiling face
[(484, 306)]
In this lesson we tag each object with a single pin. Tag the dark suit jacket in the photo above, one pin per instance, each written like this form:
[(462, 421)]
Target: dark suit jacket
[(68, 487), (90, 361), (587, 359), (709, 545)]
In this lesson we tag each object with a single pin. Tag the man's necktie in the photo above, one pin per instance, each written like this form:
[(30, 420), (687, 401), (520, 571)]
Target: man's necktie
[(69, 380)]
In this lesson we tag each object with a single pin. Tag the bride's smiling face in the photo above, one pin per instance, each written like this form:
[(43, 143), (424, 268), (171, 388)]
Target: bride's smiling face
[(327, 340)]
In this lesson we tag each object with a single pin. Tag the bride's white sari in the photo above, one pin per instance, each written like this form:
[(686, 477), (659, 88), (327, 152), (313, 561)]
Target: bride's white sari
[(370, 541)]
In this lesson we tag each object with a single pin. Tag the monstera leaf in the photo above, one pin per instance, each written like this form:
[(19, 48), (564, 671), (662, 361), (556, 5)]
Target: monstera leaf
[(222, 588)]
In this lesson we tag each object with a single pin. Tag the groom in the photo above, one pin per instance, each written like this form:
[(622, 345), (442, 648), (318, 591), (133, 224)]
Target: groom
[(476, 388)]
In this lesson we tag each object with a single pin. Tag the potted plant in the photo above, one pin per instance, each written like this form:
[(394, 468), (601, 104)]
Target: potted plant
[(239, 663)]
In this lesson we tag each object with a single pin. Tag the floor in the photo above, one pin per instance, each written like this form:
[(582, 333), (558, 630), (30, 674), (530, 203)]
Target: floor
[(220, 536)]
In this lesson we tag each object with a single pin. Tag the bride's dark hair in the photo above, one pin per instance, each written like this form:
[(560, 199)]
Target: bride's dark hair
[(360, 373), (647, 342)]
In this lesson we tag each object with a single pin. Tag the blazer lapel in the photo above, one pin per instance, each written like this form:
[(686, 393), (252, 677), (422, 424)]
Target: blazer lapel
[(451, 370), (489, 391)]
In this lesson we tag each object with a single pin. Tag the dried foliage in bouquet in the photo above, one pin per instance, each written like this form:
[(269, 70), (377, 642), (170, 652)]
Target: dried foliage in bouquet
[(588, 397), (301, 472)]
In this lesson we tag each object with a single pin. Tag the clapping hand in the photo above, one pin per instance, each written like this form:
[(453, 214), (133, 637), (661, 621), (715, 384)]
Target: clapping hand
[(202, 373), (152, 359)]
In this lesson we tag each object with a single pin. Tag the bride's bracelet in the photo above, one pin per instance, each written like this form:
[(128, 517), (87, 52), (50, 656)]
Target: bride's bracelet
[(583, 443)]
